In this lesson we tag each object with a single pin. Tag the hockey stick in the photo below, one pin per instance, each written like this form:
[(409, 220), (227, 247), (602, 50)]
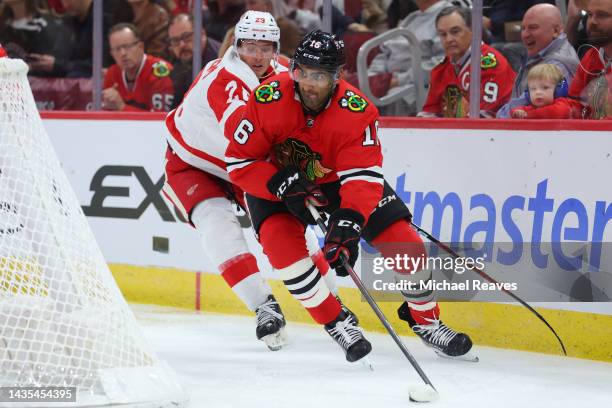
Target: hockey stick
[(424, 394), (485, 275)]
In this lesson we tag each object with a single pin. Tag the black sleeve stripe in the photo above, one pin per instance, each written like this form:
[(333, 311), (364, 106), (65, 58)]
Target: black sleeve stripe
[(368, 173), (236, 163)]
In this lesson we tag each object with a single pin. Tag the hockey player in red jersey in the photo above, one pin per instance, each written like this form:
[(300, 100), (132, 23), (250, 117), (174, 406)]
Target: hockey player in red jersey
[(2, 52), (137, 81), (448, 94), (308, 136), (196, 180)]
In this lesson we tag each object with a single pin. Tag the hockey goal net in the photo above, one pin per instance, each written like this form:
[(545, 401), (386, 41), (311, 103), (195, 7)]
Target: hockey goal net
[(63, 320)]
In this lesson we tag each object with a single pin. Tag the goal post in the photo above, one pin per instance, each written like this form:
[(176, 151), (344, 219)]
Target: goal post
[(63, 320)]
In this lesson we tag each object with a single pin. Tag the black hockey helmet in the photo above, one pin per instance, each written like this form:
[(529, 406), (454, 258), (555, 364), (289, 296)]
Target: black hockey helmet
[(321, 50)]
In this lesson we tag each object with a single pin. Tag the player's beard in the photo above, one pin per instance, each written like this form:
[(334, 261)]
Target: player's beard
[(599, 37)]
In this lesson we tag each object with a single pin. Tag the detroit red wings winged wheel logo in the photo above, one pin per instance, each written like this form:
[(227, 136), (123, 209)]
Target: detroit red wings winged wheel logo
[(292, 151)]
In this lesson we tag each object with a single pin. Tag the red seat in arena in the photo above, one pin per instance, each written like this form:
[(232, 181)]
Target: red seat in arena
[(352, 42), (352, 8)]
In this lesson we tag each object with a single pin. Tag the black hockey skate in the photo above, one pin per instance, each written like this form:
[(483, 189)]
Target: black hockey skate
[(271, 324), (348, 311), (345, 332), (445, 341)]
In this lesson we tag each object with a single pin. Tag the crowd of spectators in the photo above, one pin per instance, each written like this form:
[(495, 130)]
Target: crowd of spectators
[(152, 41)]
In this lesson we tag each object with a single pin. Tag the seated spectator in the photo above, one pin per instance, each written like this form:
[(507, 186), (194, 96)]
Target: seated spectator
[(546, 95), (290, 36), (152, 22), (137, 82), (592, 83), (180, 38), (374, 15), (33, 34), (450, 81), (228, 40), (546, 43), (395, 57), (308, 16), (501, 13), (78, 63), (307, 20), (398, 10), (182, 6), (575, 25), (221, 16)]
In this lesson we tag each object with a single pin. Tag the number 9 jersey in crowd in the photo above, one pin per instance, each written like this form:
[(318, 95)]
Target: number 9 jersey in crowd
[(448, 94), (339, 143)]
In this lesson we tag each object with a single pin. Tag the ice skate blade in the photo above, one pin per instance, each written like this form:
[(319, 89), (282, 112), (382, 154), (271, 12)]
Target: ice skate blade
[(366, 363), (275, 341), (469, 356)]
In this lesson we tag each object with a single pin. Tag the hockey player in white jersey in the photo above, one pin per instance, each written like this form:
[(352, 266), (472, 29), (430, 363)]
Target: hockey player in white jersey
[(196, 179)]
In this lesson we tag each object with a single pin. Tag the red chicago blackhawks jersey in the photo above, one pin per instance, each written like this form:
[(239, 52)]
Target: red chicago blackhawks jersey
[(449, 85), (592, 84), (340, 143), (561, 108), (2, 52), (152, 90), (210, 110)]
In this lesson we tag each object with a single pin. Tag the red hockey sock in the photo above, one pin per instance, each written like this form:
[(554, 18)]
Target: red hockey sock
[(242, 275), (400, 239), (320, 262), (282, 238), (424, 313)]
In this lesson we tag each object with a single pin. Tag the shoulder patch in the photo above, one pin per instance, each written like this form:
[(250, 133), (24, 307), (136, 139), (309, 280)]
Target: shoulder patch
[(267, 93), (353, 102), (161, 69), (488, 60)]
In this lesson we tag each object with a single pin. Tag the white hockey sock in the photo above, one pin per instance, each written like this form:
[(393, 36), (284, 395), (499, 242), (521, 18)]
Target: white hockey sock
[(225, 245)]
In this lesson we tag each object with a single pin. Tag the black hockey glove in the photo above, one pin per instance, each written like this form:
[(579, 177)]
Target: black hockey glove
[(292, 186), (342, 239)]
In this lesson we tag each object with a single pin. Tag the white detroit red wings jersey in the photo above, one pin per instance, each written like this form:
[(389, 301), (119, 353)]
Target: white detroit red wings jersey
[(212, 106)]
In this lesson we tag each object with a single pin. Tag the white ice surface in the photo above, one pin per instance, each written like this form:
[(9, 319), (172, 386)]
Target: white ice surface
[(221, 364)]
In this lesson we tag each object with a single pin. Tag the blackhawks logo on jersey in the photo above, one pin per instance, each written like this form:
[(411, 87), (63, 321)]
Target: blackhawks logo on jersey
[(161, 69), (488, 60), (292, 151), (267, 93), (353, 102)]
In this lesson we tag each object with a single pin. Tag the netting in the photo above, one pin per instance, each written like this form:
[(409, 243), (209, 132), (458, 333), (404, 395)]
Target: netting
[(63, 320)]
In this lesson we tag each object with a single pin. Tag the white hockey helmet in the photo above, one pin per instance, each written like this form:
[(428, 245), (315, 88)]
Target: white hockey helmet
[(257, 25)]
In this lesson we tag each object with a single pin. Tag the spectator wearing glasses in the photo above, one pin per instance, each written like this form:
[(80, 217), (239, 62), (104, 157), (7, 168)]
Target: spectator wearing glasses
[(180, 41), (137, 81)]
